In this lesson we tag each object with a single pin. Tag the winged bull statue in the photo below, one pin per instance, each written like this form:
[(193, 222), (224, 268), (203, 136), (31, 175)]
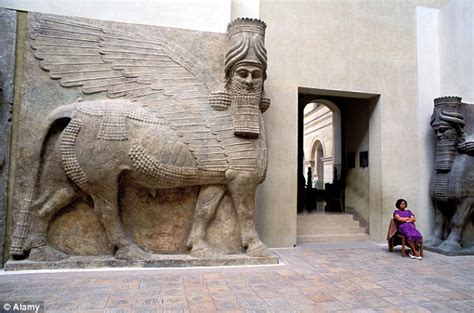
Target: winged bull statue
[(163, 123), (452, 185)]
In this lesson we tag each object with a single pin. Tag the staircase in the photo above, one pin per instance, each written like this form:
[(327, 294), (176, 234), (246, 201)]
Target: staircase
[(329, 227)]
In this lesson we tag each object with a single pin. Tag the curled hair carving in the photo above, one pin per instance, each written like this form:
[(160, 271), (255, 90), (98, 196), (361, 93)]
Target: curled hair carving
[(452, 117), (236, 53)]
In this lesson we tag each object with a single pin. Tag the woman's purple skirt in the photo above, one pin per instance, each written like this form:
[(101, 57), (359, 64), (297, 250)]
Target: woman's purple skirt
[(410, 232)]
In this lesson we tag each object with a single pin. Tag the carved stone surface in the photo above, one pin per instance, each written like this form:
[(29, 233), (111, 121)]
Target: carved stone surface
[(7, 67), (452, 186), (146, 140)]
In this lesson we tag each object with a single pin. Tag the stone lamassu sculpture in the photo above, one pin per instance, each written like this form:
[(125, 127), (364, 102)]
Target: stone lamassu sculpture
[(452, 187), (168, 128)]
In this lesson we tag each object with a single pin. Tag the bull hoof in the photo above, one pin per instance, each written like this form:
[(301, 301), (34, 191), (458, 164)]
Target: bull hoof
[(131, 252), (433, 242), (203, 250), (450, 246), (46, 253), (258, 250)]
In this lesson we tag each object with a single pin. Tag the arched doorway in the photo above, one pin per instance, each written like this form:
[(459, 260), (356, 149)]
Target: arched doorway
[(318, 156), (346, 183), (322, 141), (321, 146)]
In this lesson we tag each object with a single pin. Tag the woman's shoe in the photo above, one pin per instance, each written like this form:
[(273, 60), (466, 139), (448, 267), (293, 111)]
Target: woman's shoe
[(412, 256), (419, 257)]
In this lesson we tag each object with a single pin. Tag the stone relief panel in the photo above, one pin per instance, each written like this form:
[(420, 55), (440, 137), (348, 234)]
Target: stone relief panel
[(452, 186), (7, 69), (137, 140)]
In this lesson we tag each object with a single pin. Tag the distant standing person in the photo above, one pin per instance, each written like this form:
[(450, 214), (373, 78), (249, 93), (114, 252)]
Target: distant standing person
[(406, 226)]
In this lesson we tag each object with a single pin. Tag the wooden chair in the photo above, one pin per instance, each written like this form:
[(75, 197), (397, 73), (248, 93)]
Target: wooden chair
[(394, 238)]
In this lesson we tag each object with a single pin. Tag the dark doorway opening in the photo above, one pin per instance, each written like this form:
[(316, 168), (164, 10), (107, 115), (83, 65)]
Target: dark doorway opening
[(350, 145)]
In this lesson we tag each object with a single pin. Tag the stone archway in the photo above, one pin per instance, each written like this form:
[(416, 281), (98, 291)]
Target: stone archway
[(336, 133), (322, 126), (317, 157)]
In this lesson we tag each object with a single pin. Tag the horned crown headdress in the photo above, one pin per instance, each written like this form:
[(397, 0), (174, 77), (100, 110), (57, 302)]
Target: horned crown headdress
[(247, 40), (447, 111), (247, 45)]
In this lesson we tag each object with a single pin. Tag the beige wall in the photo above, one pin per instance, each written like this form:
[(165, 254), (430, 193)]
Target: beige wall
[(205, 15), (245, 8), (361, 46), (445, 68), (428, 89), (456, 35)]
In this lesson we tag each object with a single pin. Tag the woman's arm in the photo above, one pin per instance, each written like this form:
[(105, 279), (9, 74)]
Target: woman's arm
[(411, 219), (401, 219)]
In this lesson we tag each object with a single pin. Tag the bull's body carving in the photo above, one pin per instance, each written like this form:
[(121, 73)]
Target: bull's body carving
[(154, 139), (452, 187), (152, 148)]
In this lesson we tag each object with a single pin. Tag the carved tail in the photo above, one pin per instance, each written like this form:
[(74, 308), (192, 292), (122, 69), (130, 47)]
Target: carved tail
[(23, 217)]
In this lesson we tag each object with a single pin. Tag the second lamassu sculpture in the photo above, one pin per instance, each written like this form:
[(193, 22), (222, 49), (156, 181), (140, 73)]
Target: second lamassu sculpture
[(167, 122), (452, 187)]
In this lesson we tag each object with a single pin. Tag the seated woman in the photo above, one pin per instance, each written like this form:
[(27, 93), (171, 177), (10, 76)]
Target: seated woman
[(406, 226)]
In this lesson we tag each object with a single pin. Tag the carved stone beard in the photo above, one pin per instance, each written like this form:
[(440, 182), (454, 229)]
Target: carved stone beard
[(446, 149), (246, 106)]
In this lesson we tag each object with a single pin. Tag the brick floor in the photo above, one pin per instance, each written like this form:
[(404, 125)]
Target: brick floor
[(324, 277)]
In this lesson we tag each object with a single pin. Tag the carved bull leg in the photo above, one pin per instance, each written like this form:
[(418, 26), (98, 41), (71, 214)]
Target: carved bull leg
[(242, 188), (458, 222), (49, 205), (438, 230), (208, 200), (107, 208)]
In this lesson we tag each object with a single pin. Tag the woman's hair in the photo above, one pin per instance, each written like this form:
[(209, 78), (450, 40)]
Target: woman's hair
[(399, 201)]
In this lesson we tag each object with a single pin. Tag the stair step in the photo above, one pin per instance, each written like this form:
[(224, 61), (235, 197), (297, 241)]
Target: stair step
[(332, 238), (329, 227), (330, 230), (326, 220), (325, 217), (318, 224)]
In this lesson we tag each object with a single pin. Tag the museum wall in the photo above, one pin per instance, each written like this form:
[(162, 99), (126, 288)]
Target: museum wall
[(428, 89), (456, 32), (457, 37), (185, 14), (367, 47), (445, 68)]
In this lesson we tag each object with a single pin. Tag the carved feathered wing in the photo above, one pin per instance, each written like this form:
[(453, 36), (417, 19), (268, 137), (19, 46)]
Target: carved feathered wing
[(121, 64), (152, 71)]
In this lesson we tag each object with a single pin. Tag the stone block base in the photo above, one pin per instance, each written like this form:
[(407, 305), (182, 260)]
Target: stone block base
[(466, 251), (175, 260)]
